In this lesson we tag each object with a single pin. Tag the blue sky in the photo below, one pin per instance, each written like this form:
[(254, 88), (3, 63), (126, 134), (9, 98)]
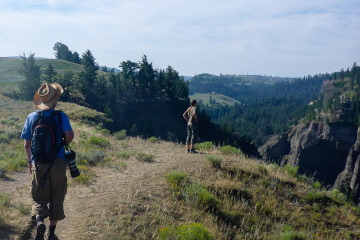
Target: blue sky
[(279, 37)]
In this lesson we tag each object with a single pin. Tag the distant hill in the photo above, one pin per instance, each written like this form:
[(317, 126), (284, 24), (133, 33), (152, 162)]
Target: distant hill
[(216, 98)]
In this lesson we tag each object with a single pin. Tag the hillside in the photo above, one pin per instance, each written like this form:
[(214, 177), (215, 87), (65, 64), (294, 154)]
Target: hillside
[(10, 66), (214, 98), (134, 188)]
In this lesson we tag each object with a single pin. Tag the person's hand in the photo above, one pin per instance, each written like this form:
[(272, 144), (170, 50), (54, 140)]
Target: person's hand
[(30, 167)]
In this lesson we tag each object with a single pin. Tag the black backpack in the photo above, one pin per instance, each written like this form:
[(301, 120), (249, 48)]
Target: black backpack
[(44, 140)]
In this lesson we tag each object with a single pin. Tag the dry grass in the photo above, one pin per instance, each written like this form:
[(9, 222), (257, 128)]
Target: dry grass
[(124, 198)]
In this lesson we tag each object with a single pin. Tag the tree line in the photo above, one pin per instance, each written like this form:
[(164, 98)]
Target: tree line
[(109, 92)]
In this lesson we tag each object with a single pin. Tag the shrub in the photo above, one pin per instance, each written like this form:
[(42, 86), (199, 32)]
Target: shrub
[(337, 195), (144, 157), (201, 196), (262, 169), (91, 157), (193, 231), (120, 135), (291, 170), (104, 132), (16, 164), (205, 146), (13, 134), (229, 150), (317, 185), (99, 141), (214, 161), (153, 139)]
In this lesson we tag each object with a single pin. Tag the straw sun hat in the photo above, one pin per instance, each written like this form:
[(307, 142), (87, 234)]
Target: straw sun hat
[(47, 96)]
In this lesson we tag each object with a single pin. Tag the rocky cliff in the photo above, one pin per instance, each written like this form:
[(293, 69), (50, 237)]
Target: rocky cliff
[(327, 146), (348, 180), (319, 149)]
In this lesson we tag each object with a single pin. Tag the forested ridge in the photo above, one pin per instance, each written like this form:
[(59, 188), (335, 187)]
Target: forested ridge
[(265, 109)]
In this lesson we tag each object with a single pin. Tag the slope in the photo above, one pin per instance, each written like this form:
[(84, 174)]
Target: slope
[(216, 98), (127, 190)]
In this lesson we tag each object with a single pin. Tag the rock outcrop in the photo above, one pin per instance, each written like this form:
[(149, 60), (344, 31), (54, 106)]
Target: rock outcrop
[(319, 149), (348, 180)]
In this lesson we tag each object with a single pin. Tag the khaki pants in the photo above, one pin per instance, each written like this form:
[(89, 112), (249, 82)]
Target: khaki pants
[(49, 201), (192, 134)]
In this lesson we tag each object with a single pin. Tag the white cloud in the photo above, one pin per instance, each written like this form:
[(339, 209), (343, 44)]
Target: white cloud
[(288, 38)]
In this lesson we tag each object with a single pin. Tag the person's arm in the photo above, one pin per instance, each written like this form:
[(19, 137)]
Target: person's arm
[(185, 116), (69, 136), (27, 145)]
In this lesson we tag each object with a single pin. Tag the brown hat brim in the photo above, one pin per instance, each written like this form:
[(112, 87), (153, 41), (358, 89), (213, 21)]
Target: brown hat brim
[(49, 104)]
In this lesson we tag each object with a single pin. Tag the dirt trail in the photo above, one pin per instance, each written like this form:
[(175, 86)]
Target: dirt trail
[(111, 186)]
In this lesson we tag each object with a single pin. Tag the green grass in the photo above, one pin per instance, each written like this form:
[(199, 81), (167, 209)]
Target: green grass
[(120, 135), (153, 139), (177, 179), (192, 231), (99, 141), (291, 170), (204, 146), (201, 196), (86, 176), (214, 161), (229, 150), (4, 200), (144, 157), (219, 99)]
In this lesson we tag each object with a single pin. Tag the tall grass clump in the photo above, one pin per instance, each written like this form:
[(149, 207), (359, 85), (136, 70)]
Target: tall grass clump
[(4, 200), (230, 150), (144, 157), (177, 179), (192, 231), (201, 196), (120, 135), (205, 146), (104, 132), (99, 141), (86, 176), (214, 161), (153, 139), (291, 170)]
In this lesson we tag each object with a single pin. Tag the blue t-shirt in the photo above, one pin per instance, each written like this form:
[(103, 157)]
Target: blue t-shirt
[(26, 132)]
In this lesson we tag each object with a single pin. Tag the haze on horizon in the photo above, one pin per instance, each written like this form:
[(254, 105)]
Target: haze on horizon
[(279, 38)]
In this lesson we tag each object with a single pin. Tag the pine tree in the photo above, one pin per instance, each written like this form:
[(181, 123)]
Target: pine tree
[(31, 72), (49, 74)]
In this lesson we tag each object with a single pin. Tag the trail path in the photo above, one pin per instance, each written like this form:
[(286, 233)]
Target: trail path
[(111, 186)]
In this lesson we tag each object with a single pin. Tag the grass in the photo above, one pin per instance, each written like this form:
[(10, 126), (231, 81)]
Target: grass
[(99, 141), (144, 157), (192, 231), (153, 139), (291, 170), (93, 157), (86, 176), (204, 146), (229, 150), (214, 161)]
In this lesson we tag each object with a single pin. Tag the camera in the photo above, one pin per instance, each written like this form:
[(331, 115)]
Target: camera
[(70, 158)]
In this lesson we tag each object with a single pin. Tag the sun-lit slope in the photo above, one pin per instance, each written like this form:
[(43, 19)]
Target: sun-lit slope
[(217, 97), (133, 188)]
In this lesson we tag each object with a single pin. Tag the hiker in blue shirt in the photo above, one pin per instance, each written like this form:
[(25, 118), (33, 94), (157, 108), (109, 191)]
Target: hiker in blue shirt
[(49, 182)]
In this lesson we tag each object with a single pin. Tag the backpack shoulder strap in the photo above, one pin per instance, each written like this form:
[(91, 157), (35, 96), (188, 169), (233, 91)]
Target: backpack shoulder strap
[(58, 114)]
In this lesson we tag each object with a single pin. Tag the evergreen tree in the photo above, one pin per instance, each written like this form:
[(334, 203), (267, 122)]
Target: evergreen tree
[(32, 73), (49, 74), (88, 77), (62, 52), (66, 80), (76, 57)]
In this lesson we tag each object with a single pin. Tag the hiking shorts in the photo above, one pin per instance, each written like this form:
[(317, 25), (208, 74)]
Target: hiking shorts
[(49, 200), (192, 133)]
